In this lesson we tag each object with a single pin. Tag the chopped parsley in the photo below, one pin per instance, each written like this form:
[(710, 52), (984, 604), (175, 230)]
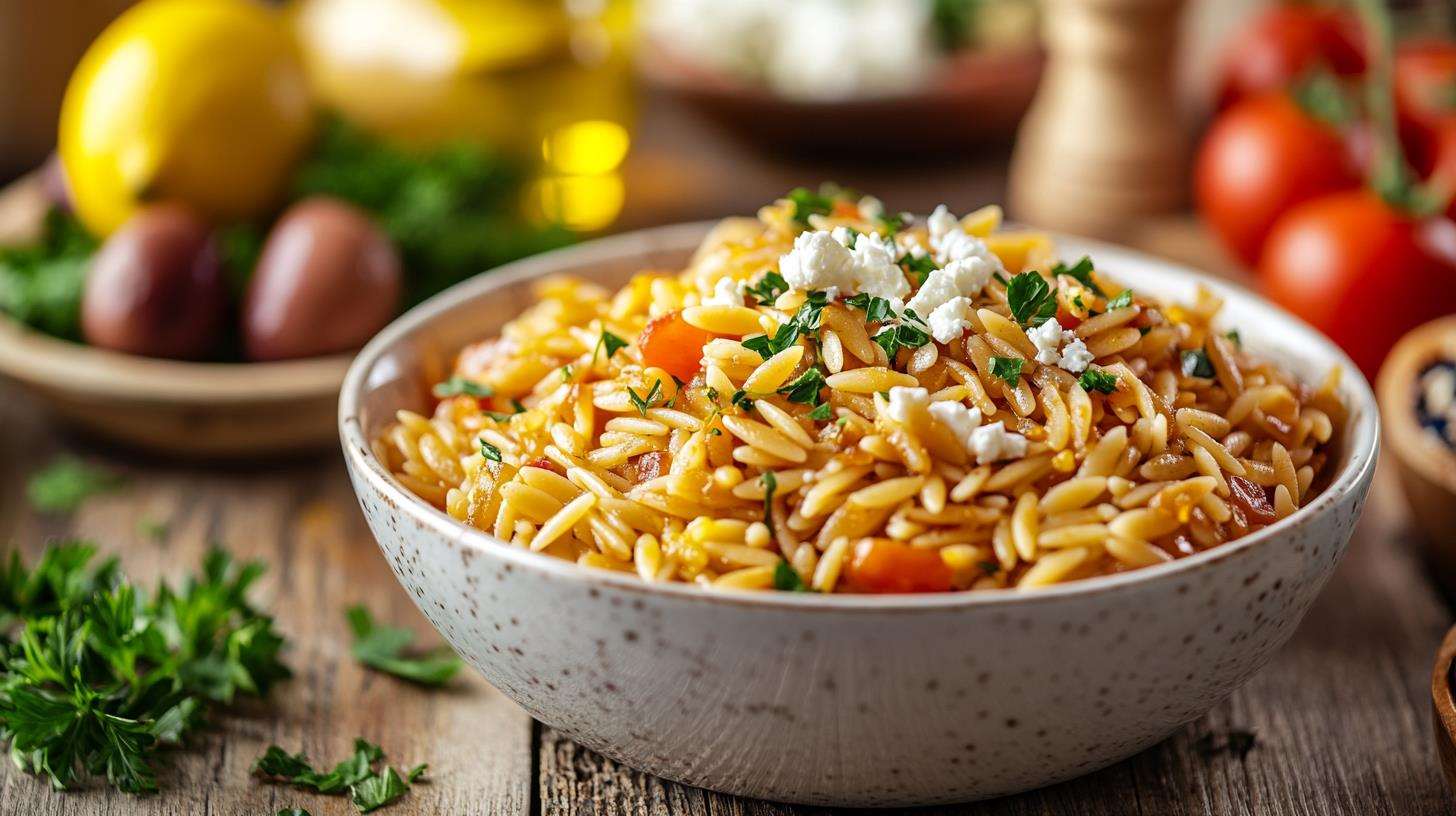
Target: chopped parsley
[(387, 649), (741, 400), (807, 203), (1234, 336), (989, 567), (786, 579), (876, 309), (1031, 300), (1081, 271), (1096, 379), (1197, 364), (100, 676), (367, 788), (893, 223), (455, 386), (905, 334), (1123, 299), (920, 267), (806, 387), (566, 372), (642, 403), (821, 413), (489, 451), (66, 484), (1007, 368), (770, 486), (804, 322), (611, 342), (768, 288)]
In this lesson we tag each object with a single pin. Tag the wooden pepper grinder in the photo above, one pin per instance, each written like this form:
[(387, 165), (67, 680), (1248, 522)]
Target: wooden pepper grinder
[(1103, 143)]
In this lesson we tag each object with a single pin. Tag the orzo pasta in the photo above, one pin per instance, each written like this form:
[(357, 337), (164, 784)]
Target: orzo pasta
[(835, 400)]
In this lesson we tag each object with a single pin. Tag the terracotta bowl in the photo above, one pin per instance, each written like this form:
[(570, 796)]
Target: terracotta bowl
[(194, 410), (841, 699), (1427, 468), (975, 97)]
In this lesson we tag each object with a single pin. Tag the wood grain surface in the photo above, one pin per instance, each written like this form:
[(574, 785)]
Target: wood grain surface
[(1341, 718)]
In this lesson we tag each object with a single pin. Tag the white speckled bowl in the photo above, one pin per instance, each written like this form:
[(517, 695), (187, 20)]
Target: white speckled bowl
[(847, 700)]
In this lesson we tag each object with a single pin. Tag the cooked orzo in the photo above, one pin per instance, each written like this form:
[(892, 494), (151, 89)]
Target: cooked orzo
[(835, 399)]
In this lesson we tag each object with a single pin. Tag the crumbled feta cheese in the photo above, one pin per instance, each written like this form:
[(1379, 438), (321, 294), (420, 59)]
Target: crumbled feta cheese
[(726, 292), (992, 443), (871, 208), (938, 289), (941, 223), (1048, 341), (1058, 346), (948, 320), (817, 262), (958, 419), (971, 274), (1075, 356), (904, 402), (918, 251), (831, 293), (843, 235), (875, 270), (961, 246)]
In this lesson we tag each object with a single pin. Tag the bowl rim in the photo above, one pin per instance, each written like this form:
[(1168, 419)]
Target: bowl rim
[(38, 359), (1357, 467)]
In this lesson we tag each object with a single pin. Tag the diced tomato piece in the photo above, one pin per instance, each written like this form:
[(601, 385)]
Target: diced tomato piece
[(844, 208), (673, 345), (546, 464), (1068, 320), (884, 565)]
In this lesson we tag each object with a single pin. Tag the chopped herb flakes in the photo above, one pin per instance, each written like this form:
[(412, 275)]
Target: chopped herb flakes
[(876, 309), (1234, 336), (1007, 368), (807, 203), (368, 789), (821, 413), (768, 288), (642, 403), (489, 451), (1081, 271), (1197, 364), (1096, 379), (804, 322), (1123, 299), (805, 389), (920, 267), (741, 400), (909, 333), (387, 649), (1031, 300), (787, 579), (456, 386), (66, 484), (611, 343)]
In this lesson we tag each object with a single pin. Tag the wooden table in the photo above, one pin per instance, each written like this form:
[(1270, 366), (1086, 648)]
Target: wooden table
[(1341, 717)]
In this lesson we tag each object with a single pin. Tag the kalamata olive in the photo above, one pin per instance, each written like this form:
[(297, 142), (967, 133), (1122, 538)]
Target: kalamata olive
[(327, 280), (155, 287)]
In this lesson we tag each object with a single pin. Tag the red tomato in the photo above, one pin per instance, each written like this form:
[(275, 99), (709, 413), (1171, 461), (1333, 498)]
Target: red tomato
[(670, 343), (1261, 157), (1425, 82), (885, 565), (1360, 271), (1283, 43)]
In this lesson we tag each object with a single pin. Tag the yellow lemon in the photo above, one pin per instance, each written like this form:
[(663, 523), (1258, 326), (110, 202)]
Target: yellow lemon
[(198, 101)]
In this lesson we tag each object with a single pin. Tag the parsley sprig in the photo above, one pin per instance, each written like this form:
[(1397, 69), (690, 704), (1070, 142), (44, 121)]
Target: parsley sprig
[(610, 343), (96, 675), (1081, 271), (768, 288), (388, 649), (643, 403), (805, 388), (805, 322), (911, 333), (1007, 369), (1031, 299), (66, 484), (1096, 379), (369, 789)]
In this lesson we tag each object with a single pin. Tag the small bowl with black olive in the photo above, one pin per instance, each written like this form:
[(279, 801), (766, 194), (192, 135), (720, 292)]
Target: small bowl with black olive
[(177, 358), (1417, 392)]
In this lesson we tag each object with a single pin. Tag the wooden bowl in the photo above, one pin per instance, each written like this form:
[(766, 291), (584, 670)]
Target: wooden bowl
[(976, 97), (1427, 468), (231, 410), (1443, 707)]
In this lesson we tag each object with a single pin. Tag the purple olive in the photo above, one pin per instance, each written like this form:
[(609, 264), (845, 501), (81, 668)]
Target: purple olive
[(327, 280), (155, 288)]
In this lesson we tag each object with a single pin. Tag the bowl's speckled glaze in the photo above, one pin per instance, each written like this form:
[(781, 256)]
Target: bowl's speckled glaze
[(848, 700)]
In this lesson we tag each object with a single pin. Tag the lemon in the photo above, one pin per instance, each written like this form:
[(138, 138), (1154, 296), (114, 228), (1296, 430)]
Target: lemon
[(199, 101)]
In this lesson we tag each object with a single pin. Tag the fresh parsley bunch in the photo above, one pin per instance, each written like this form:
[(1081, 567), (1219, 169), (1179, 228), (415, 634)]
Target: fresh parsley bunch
[(40, 285), (96, 675)]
